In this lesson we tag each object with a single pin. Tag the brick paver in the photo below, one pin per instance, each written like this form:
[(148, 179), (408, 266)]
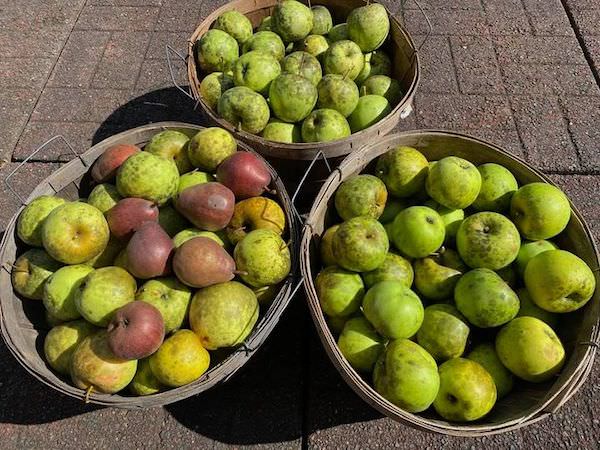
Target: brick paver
[(520, 73)]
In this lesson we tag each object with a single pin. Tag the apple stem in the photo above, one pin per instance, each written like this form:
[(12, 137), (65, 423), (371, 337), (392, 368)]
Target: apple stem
[(240, 272), (88, 392)]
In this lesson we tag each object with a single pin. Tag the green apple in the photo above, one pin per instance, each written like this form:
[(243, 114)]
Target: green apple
[(292, 20), (540, 211), (444, 332), (75, 232), (485, 355), (323, 125), (360, 344), (265, 41), (530, 349), (488, 239), (103, 197), (485, 299), (207, 149), (436, 276), (418, 231), (368, 26), (393, 309), (216, 51), (60, 289), (212, 87), (369, 110), (376, 63), (171, 144), (148, 176), (360, 195), (305, 64), (467, 391), (235, 24), (31, 219), (343, 58), (453, 182), (452, 219), (144, 382), (322, 20), (280, 131), (326, 246), (497, 188), (407, 376), (360, 244), (256, 70), (559, 281), (528, 308), (244, 109), (528, 250), (392, 207), (382, 85), (314, 44), (189, 233), (30, 271), (338, 32), (394, 268), (337, 92), (340, 291), (62, 340), (170, 297), (292, 97), (262, 258), (403, 170)]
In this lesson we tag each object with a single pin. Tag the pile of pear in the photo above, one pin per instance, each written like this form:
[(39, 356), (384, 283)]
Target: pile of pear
[(170, 257), (299, 78), (445, 284)]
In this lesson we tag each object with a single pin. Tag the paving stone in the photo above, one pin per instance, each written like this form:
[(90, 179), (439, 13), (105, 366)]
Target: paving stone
[(126, 2), (450, 22), (437, 75), (40, 15), (544, 132), (178, 16), (30, 43), (79, 59), (160, 39), (506, 17), (583, 192), (24, 72), (587, 23), (548, 17), (593, 46), (117, 18), (476, 66), (15, 108), (579, 5), (508, 139), (77, 105), (584, 124), (121, 62), (549, 78), (442, 4), (538, 50)]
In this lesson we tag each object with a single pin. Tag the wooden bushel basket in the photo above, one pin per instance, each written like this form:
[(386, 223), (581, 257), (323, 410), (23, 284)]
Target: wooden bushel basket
[(22, 321), (400, 47), (579, 331)]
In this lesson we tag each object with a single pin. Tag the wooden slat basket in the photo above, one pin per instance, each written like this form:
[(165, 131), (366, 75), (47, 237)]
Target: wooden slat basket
[(22, 321), (579, 331)]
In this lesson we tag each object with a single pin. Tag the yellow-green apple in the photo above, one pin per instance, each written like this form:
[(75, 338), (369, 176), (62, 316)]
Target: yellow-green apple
[(360, 344), (235, 24), (368, 26), (144, 382), (369, 110), (485, 355), (337, 92), (292, 20), (444, 332), (322, 21), (340, 291), (360, 244), (216, 51), (343, 58), (528, 308), (303, 63), (31, 219), (171, 144), (265, 41), (207, 149), (323, 125), (498, 185), (262, 258), (453, 182), (392, 207), (245, 109), (30, 271), (528, 250), (403, 170), (170, 297), (376, 63), (326, 246), (382, 85), (313, 44), (437, 275), (280, 131), (361, 195), (104, 196), (338, 32), (189, 233), (212, 87), (292, 97), (256, 70), (394, 268), (62, 340), (60, 289), (452, 219)]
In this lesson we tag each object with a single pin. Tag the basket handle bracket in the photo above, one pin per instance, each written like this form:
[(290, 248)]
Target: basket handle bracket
[(170, 50)]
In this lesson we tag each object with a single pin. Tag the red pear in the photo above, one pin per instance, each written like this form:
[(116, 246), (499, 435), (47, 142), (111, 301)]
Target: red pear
[(201, 262), (129, 214), (245, 174), (209, 206), (105, 167), (149, 251)]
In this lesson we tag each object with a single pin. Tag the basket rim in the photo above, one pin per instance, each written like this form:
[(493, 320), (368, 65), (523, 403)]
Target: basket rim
[(218, 374), (405, 103), (364, 389)]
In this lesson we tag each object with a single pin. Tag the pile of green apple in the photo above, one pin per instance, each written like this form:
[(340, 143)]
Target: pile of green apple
[(299, 78), (443, 283), (171, 255)]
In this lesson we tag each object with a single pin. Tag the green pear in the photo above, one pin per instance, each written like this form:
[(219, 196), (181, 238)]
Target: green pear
[(343, 58), (206, 150), (528, 250), (530, 349), (326, 248), (467, 391), (337, 92), (244, 109), (280, 131), (394, 268), (62, 340), (235, 24), (265, 41), (528, 308), (392, 207), (436, 276), (382, 85), (340, 291), (360, 244), (485, 299), (360, 344), (292, 97), (369, 110), (144, 382), (216, 51), (322, 20), (60, 289), (171, 144), (497, 188), (262, 258), (407, 376), (212, 87), (376, 63), (453, 182), (418, 231), (369, 26), (403, 170), (30, 271), (292, 20), (31, 219), (485, 355), (393, 309), (361, 195), (305, 64), (452, 219), (170, 297), (444, 332), (171, 221), (338, 32), (256, 70)]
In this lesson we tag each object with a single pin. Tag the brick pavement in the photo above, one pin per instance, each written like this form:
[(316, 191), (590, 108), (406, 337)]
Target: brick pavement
[(521, 73)]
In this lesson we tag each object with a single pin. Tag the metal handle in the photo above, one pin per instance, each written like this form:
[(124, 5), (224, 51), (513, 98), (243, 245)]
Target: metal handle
[(31, 155), (429, 25), (303, 179), (168, 51)]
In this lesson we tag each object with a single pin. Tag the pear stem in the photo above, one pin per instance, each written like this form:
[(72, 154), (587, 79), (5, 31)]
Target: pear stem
[(240, 272)]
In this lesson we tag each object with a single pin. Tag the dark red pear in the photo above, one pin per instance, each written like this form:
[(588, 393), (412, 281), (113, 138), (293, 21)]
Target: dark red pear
[(201, 262), (245, 174), (129, 214), (209, 206), (105, 167), (136, 330), (149, 252)]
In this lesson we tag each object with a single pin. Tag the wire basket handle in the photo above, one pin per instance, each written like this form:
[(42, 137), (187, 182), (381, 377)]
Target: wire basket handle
[(170, 50)]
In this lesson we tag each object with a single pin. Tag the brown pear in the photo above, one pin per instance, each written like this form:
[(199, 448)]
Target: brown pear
[(129, 214), (149, 252), (201, 262), (209, 206)]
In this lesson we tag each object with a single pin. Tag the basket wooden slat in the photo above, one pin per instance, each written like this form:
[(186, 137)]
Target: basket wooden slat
[(579, 331), (22, 322)]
